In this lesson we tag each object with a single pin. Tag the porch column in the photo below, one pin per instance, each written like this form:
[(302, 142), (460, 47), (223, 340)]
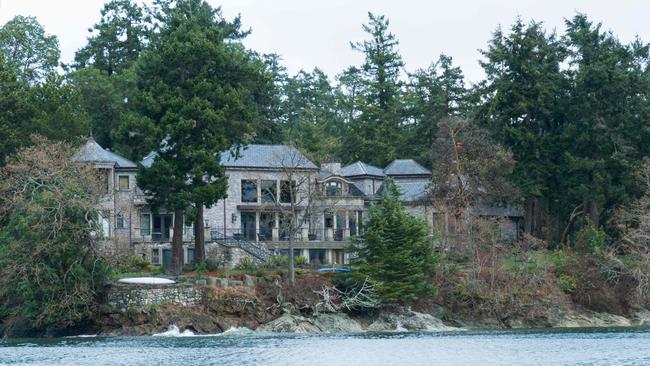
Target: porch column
[(257, 225), (329, 256), (356, 221), (275, 232), (346, 231)]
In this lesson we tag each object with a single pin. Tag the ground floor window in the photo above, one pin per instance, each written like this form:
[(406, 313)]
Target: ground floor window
[(155, 256), (190, 255), (317, 256)]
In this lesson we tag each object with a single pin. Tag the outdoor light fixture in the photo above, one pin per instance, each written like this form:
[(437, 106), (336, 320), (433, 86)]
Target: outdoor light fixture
[(233, 218)]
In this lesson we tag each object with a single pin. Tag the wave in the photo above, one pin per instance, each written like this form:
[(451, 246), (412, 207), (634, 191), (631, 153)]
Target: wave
[(173, 331)]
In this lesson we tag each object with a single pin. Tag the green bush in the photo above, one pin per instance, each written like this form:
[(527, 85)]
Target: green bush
[(592, 238), (568, 283), (246, 264), (300, 260), (561, 261), (277, 261)]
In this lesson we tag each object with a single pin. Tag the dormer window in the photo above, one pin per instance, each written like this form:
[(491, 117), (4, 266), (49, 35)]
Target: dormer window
[(333, 188), (123, 182)]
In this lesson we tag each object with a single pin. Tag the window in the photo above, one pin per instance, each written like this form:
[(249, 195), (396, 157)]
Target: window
[(105, 222), (269, 191), (119, 221), (103, 176), (248, 191), (287, 191), (333, 188), (329, 220), (123, 182), (145, 224), (155, 256)]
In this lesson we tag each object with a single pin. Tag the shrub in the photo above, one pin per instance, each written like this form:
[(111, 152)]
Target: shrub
[(592, 238), (568, 283), (246, 264), (277, 261), (300, 260)]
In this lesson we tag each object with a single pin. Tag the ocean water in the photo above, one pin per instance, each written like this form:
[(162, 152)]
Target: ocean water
[(242, 347)]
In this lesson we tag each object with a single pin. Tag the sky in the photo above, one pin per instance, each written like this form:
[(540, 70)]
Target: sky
[(308, 33)]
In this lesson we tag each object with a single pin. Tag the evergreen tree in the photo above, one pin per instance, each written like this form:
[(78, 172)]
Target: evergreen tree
[(607, 134), (17, 111), (117, 39), (200, 90), (25, 46), (395, 250), (432, 95), (312, 121), (523, 105), (378, 125)]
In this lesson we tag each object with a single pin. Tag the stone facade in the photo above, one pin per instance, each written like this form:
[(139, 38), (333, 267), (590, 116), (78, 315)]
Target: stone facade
[(331, 203)]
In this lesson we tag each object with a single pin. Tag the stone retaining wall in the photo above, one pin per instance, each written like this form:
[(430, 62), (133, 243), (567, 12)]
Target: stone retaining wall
[(124, 296)]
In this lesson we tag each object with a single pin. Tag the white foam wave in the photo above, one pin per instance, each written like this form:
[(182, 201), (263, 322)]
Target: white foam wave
[(173, 331)]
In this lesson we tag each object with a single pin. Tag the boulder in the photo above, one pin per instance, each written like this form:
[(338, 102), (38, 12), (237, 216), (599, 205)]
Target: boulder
[(288, 323), (408, 321), (336, 323)]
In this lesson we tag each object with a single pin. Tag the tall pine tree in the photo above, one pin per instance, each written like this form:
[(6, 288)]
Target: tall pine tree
[(201, 90)]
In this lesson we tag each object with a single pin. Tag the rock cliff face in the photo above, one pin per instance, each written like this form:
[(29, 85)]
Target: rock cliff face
[(342, 323)]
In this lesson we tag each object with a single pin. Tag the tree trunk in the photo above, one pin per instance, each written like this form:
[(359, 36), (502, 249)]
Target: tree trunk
[(591, 209), (292, 270), (199, 235), (577, 212), (177, 243)]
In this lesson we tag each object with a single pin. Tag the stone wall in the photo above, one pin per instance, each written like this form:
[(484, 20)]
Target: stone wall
[(125, 296)]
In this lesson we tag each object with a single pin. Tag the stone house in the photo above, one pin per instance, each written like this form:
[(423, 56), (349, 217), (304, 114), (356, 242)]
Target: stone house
[(274, 193)]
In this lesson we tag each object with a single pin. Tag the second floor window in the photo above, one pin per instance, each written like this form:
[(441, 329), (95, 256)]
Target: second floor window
[(287, 191), (119, 221), (333, 188), (145, 224), (123, 181), (269, 191), (248, 191), (103, 176)]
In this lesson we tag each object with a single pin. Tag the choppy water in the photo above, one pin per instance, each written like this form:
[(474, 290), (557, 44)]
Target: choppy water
[(543, 347)]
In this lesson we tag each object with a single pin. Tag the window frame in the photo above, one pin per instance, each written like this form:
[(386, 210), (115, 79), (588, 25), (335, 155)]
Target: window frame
[(128, 182), (119, 221), (269, 192), (292, 186), (148, 228), (245, 182)]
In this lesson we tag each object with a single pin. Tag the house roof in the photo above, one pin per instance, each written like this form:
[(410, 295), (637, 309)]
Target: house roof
[(267, 156), (360, 168), (92, 152), (409, 191), (258, 156), (405, 167)]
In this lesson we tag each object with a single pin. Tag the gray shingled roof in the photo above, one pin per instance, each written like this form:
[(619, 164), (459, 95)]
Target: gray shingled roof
[(360, 168), (92, 152), (267, 156), (409, 191), (405, 167), (258, 156)]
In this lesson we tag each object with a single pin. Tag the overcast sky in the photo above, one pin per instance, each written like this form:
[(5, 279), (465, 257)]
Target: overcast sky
[(317, 33)]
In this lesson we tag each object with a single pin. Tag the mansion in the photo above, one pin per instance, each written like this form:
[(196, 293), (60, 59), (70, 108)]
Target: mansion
[(265, 184)]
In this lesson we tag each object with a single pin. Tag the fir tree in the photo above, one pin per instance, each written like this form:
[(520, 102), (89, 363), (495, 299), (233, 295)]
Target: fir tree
[(395, 250)]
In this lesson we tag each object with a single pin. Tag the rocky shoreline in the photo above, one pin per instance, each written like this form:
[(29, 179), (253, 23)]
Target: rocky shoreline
[(197, 322)]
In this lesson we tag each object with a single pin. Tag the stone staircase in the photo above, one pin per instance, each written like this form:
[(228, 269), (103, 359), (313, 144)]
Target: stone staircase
[(256, 249)]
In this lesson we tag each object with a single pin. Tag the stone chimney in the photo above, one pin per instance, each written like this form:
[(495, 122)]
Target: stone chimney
[(332, 165)]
